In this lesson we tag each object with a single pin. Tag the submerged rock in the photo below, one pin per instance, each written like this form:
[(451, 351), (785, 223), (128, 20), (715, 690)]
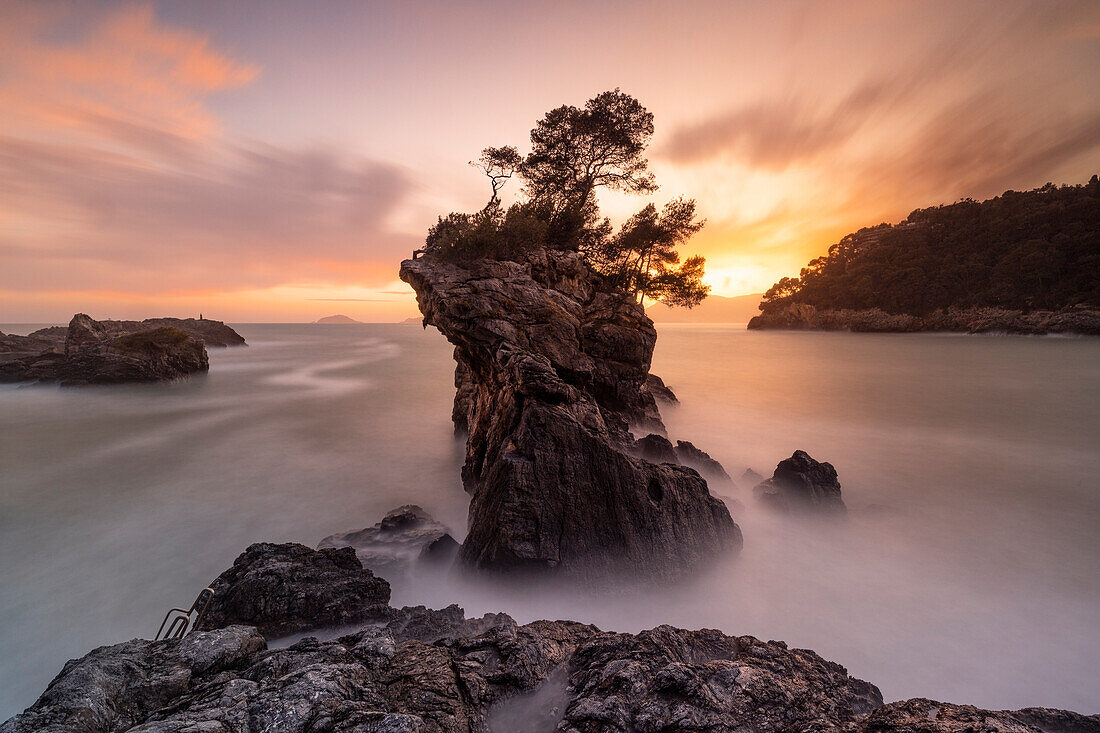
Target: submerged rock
[(395, 543), (802, 485), (551, 378), (94, 354), (284, 589)]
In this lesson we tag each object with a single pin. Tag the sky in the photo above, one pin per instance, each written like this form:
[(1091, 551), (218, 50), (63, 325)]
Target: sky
[(274, 161)]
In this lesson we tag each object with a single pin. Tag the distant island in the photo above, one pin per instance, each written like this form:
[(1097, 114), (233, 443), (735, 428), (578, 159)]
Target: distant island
[(1023, 262), (338, 318)]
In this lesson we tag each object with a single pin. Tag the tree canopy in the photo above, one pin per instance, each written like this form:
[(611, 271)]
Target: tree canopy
[(1037, 249), (575, 152)]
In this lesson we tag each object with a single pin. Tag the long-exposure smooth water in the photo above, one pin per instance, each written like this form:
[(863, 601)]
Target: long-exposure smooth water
[(967, 570)]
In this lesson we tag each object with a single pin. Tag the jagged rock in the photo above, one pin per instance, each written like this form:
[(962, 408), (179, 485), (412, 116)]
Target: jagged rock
[(671, 679), (284, 589), (700, 460), (750, 477), (655, 449), (93, 354), (465, 398), (435, 671), (921, 715), (552, 372), (395, 543), (440, 552), (659, 390), (800, 484)]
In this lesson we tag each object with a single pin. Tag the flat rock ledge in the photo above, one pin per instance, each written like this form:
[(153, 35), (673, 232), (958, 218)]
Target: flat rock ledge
[(552, 375), (417, 670)]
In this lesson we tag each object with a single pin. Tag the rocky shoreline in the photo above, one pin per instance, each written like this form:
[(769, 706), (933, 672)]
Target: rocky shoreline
[(552, 384), (799, 316), (112, 352), (368, 667)]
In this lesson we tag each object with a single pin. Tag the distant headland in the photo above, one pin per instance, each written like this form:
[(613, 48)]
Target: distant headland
[(1023, 262)]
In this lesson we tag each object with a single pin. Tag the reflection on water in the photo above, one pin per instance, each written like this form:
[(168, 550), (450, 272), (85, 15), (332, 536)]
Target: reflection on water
[(966, 571)]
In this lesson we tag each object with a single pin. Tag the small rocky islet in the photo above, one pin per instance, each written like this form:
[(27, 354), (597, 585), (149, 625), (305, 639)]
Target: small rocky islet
[(89, 352), (552, 375)]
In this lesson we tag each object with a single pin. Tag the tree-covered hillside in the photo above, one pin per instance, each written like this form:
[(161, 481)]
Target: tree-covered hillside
[(1033, 250)]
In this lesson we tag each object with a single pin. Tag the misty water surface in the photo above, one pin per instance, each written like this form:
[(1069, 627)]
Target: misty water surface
[(967, 570)]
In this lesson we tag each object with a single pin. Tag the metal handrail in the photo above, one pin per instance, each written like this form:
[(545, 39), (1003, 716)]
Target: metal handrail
[(179, 625)]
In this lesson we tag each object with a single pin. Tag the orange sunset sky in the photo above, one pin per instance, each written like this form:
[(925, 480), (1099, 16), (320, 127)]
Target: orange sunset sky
[(274, 161)]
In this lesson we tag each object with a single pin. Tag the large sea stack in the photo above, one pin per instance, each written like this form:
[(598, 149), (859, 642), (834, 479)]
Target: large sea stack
[(551, 376)]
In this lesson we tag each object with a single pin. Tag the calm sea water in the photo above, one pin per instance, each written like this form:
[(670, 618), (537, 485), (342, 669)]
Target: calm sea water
[(967, 570)]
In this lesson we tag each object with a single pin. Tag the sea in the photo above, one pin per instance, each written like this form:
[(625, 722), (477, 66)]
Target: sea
[(967, 570)]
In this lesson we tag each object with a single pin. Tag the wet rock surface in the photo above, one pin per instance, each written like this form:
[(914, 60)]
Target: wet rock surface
[(397, 542), (423, 670), (93, 353), (551, 378), (801, 485)]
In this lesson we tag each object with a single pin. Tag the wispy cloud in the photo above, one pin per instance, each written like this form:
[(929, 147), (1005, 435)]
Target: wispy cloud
[(116, 175)]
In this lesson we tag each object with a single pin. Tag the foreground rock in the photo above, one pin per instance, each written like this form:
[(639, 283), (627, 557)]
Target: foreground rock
[(802, 485), (1081, 320), (393, 545), (91, 353), (289, 588), (551, 377), (419, 670)]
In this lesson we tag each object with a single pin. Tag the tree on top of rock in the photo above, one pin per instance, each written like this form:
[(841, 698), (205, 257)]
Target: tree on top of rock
[(574, 152), (642, 258)]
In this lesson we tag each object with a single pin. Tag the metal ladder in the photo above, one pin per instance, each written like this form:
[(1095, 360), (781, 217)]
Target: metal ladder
[(183, 619)]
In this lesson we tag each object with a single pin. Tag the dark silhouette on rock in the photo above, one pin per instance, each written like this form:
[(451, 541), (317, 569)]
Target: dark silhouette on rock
[(802, 485), (289, 588), (93, 353), (395, 543), (551, 378)]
